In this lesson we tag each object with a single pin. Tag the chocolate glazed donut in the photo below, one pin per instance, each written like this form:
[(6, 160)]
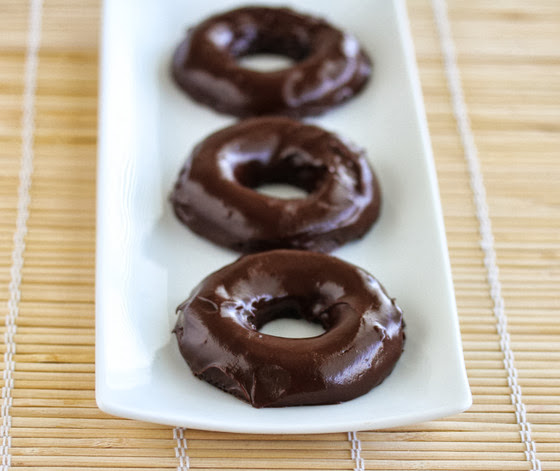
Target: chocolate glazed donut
[(214, 193), (330, 65), (218, 330)]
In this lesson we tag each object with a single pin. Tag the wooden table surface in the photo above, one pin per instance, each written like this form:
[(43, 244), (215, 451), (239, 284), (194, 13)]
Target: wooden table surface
[(509, 63)]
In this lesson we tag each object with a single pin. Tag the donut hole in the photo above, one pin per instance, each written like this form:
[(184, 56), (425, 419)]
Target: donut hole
[(285, 318), (265, 62), (271, 50), (285, 178), (281, 191), (292, 328)]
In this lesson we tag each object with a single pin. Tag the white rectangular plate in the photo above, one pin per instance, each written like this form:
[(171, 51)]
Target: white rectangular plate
[(147, 262)]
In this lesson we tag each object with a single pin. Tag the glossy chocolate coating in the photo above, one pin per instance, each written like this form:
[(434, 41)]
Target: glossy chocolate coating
[(217, 329), (214, 197), (330, 65)]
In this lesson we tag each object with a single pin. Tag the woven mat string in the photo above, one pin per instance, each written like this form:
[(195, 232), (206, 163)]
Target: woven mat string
[(26, 170), (485, 225)]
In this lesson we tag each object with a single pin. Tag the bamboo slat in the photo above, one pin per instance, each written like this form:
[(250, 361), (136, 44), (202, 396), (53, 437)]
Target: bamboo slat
[(510, 66)]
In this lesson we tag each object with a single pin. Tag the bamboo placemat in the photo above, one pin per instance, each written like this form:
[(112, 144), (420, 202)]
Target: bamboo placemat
[(509, 61)]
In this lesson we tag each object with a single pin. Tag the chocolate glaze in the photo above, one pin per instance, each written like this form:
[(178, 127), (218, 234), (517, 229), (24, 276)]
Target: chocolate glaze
[(330, 65), (213, 195), (217, 329)]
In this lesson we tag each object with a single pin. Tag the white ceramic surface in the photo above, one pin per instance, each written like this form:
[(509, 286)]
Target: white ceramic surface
[(147, 262)]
